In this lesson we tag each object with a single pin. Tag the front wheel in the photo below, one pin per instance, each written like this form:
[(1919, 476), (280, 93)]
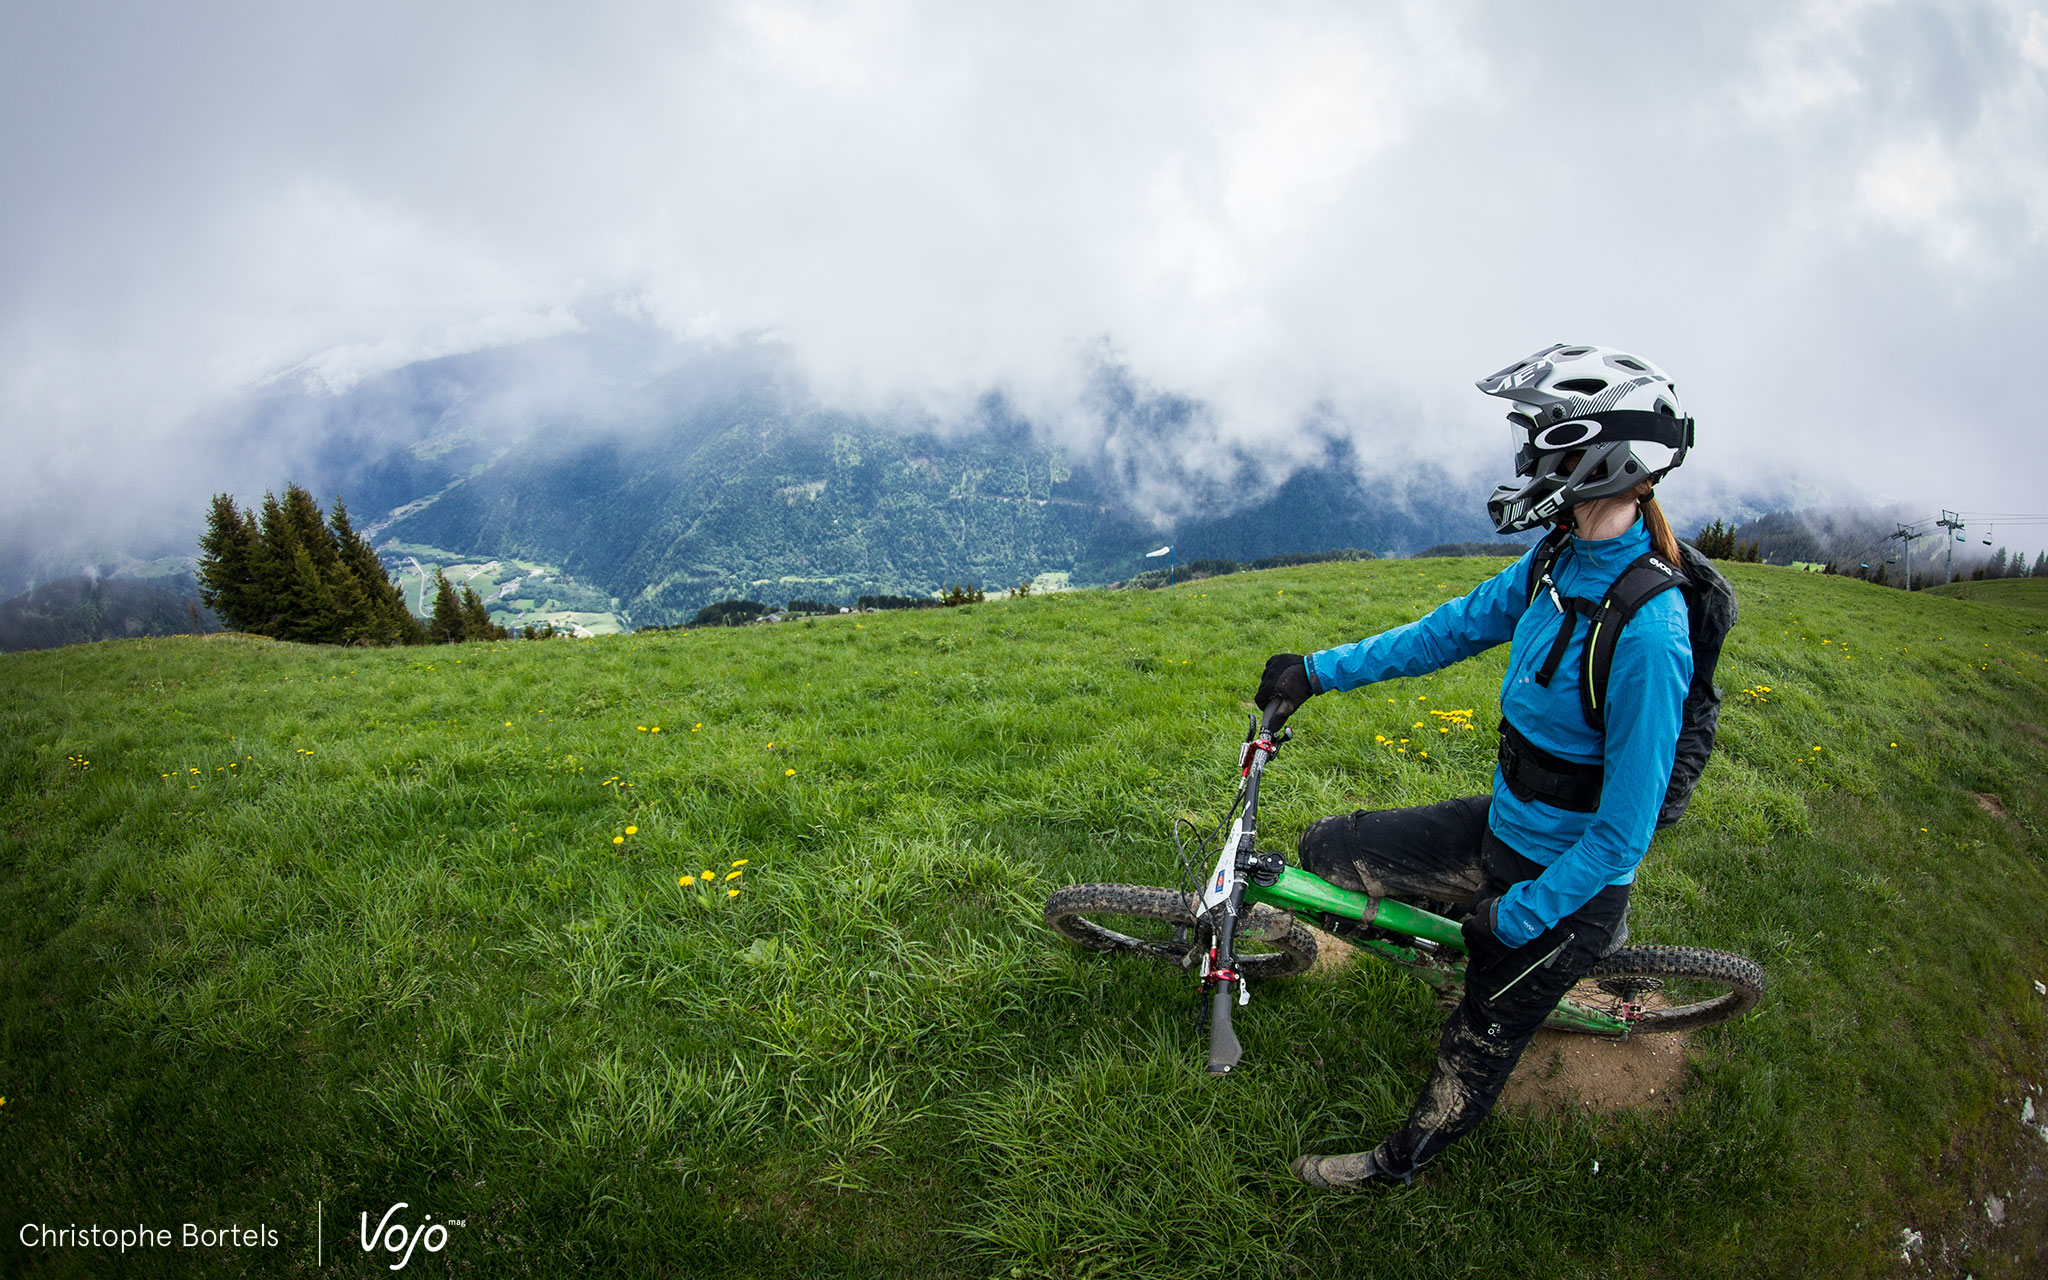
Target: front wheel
[(1655, 989), (1160, 924)]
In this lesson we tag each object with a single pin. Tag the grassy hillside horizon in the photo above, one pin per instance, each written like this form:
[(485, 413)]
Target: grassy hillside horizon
[(719, 952)]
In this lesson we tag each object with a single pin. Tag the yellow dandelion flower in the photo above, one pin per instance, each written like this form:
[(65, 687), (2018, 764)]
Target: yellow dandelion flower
[(655, 729), (731, 874), (641, 727), (789, 773), (632, 831), (705, 876), (1895, 744), (1425, 755), (741, 863), (682, 880), (618, 839), (732, 893)]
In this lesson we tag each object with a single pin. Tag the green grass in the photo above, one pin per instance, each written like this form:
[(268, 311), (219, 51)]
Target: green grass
[(315, 930)]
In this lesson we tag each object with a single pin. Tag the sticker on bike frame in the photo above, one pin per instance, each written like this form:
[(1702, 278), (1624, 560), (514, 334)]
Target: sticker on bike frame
[(1224, 877)]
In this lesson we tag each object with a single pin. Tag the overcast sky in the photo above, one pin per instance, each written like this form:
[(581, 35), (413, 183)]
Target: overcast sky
[(1828, 221)]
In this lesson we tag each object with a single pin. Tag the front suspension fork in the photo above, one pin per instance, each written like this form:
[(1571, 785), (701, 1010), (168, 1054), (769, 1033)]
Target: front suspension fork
[(1229, 989)]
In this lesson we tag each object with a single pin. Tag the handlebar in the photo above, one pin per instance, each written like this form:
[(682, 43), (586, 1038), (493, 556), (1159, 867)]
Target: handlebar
[(1224, 1050)]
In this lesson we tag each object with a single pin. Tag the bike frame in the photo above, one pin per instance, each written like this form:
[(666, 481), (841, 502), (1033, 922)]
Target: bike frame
[(1244, 877)]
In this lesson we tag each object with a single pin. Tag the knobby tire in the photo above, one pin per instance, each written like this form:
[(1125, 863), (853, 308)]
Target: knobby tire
[(1673, 988), (1160, 924)]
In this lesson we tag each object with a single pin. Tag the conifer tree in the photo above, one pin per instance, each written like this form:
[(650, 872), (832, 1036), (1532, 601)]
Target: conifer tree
[(312, 533), (384, 618), (302, 605), (227, 565), (476, 618), (447, 626), (292, 575)]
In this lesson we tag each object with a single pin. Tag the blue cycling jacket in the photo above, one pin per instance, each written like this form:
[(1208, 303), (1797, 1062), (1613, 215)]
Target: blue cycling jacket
[(1646, 687)]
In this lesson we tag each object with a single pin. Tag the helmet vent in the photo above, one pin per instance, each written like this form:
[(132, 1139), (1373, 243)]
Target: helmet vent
[(1664, 407), (1582, 386), (1628, 362), (1572, 353)]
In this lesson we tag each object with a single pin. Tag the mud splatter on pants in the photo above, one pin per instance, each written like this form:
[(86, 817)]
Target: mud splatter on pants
[(1445, 852)]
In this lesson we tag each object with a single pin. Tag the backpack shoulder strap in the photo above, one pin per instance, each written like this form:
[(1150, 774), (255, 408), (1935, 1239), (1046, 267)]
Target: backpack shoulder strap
[(1648, 576), (1544, 564)]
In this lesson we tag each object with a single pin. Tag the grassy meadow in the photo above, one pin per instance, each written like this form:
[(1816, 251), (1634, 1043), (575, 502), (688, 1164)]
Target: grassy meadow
[(719, 952)]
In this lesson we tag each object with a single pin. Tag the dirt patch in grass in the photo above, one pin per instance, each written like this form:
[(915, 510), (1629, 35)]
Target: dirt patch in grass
[(1566, 1072), (1332, 952), (1989, 803)]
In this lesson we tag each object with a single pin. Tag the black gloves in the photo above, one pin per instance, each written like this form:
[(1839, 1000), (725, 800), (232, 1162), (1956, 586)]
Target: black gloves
[(1286, 683), (1478, 929)]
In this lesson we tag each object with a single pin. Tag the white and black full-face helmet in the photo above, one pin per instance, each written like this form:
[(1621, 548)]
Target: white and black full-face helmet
[(1588, 422)]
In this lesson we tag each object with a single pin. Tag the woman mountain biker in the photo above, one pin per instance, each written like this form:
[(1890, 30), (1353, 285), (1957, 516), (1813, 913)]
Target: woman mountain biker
[(1548, 857)]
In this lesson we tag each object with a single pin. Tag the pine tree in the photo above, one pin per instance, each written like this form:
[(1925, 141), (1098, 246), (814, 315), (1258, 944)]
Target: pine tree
[(2041, 565), (275, 547), (302, 605), (384, 618), (292, 575), (227, 565), (476, 618), (1717, 542), (447, 626), (312, 532)]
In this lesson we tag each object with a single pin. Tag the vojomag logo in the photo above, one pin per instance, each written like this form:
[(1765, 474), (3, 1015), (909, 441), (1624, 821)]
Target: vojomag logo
[(400, 1239)]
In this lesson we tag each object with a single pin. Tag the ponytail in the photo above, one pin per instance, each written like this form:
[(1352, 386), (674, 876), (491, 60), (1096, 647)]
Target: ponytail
[(1662, 540)]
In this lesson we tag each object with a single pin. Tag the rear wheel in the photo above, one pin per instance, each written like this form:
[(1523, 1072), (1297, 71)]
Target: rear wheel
[(1655, 989), (1160, 924)]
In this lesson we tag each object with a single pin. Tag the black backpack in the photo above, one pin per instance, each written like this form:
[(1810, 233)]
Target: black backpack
[(1710, 607)]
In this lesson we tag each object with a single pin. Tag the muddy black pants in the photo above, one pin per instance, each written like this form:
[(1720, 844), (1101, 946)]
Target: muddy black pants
[(1445, 851)]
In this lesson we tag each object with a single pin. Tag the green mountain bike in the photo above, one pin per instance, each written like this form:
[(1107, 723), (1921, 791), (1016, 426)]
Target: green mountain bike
[(1246, 920)]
